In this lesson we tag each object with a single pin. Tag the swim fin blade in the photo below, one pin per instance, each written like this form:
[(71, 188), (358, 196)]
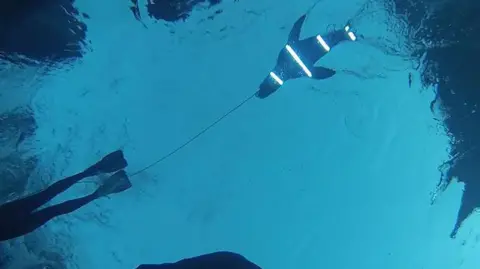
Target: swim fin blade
[(116, 183), (112, 162)]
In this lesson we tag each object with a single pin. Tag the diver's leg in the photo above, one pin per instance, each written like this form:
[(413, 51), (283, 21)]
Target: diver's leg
[(39, 218), (27, 223), (34, 201), (13, 226), (110, 163)]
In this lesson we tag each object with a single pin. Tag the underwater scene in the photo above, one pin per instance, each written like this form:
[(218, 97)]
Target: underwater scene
[(239, 134)]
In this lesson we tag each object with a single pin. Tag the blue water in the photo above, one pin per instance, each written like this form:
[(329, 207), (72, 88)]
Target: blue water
[(322, 174)]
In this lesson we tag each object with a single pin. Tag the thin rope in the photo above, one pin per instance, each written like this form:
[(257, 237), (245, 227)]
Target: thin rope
[(194, 137)]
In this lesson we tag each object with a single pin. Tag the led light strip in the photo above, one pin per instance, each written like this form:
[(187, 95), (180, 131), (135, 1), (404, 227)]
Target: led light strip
[(323, 43), (352, 36), (350, 33), (276, 78), (297, 59)]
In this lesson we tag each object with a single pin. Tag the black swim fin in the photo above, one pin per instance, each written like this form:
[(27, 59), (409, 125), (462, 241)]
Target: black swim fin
[(116, 183), (319, 72), (109, 164)]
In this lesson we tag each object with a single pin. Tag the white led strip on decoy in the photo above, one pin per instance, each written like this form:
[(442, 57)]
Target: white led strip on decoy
[(350, 33), (323, 43), (298, 60), (276, 78)]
